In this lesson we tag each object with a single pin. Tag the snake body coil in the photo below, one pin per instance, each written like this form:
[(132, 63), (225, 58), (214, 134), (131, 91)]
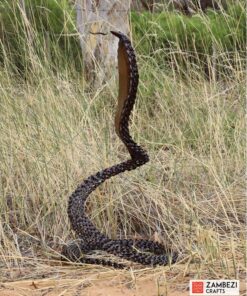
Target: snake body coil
[(90, 238)]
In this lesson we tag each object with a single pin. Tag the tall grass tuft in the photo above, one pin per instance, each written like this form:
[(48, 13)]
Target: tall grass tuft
[(204, 42), (42, 33)]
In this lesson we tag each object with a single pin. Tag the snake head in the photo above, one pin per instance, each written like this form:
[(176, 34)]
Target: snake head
[(117, 34)]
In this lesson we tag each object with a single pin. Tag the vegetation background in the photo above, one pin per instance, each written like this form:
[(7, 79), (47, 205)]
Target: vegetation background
[(55, 130)]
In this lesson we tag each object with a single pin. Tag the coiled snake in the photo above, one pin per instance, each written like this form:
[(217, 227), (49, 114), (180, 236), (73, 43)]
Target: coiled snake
[(90, 238)]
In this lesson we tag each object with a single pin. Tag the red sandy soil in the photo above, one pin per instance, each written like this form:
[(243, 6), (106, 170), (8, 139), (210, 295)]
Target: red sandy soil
[(116, 285), (44, 280), (80, 287), (92, 282)]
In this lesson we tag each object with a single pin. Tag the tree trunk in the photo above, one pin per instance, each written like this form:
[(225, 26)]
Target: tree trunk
[(183, 6), (22, 5), (99, 51), (215, 4), (190, 7)]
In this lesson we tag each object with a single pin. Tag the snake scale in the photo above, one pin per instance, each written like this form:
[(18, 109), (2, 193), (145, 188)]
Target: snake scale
[(90, 238)]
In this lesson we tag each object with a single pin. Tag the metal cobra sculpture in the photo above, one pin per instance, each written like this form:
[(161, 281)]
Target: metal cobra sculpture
[(90, 238)]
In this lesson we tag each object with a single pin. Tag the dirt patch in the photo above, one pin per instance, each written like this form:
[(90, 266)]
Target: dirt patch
[(44, 280), (77, 288), (89, 284), (85, 287)]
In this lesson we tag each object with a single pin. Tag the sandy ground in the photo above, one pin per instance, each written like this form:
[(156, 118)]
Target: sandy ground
[(81, 287), (41, 279), (78, 287), (71, 281), (107, 284)]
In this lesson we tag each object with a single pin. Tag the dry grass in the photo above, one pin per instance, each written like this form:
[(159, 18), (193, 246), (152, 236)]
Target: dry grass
[(53, 134)]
